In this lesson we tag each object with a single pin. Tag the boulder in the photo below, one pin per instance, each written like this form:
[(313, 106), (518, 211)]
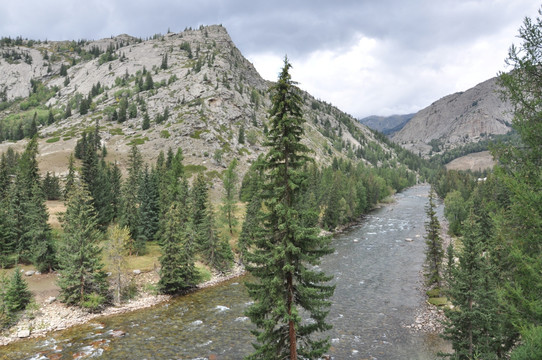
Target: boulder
[(23, 333), (30, 273), (137, 272)]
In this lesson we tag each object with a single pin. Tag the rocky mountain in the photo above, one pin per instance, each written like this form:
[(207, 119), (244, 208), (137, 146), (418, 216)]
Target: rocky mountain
[(457, 119), (193, 90), (387, 125)]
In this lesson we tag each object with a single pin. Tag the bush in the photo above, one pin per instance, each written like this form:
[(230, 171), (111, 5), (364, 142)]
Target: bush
[(165, 134), (129, 291), (94, 302)]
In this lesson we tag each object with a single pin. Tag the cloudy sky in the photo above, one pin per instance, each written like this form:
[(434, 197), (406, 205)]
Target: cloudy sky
[(367, 57)]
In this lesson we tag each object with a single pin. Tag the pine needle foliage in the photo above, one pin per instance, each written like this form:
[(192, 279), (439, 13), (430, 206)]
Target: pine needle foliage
[(291, 298)]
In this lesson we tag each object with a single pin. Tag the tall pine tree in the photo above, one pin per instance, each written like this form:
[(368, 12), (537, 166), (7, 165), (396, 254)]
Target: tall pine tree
[(434, 252), (216, 250), (149, 208), (288, 290), (228, 208), (130, 200), (178, 272), (82, 276)]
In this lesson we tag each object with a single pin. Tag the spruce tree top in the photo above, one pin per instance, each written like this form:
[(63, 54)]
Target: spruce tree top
[(286, 130)]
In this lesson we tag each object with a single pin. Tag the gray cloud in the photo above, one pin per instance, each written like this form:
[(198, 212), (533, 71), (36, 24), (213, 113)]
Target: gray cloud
[(419, 49)]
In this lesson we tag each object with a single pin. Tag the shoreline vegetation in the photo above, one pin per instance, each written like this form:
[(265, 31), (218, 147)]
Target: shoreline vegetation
[(53, 315)]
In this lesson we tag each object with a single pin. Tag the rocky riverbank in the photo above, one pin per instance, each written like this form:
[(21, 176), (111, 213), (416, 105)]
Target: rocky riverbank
[(52, 315)]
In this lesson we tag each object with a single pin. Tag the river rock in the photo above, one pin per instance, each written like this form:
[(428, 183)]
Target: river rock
[(118, 333), (137, 272), (30, 273), (50, 300), (23, 333)]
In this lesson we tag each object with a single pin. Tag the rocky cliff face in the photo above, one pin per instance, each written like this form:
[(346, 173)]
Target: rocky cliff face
[(201, 101), (457, 119)]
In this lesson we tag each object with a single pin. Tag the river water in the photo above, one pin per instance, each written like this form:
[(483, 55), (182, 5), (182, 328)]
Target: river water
[(377, 277)]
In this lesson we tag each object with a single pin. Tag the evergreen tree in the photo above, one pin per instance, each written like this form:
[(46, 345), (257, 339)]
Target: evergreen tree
[(51, 186), (4, 315), (472, 325), (433, 252), (287, 289), (84, 105), (70, 178), (115, 179), (199, 205), (163, 66), (123, 108), (68, 111), (7, 240), (130, 200), (17, 295), (455, 211), (172, 185), (149, 83), (228, 208), (178, 272), (253, 180), (332, 212), (39, 233), (216, 251), (33, 129), (50, 117), (105, 194), (146, 122), (251, 229), (27, 211), (149, 209), (241, 137), (519, 169), (82, 278), (132, 110)]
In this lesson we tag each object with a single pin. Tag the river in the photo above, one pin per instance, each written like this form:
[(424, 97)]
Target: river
[(377, 277)]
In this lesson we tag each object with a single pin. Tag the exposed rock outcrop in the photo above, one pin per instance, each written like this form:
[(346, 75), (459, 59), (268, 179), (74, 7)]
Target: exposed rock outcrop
[(457, 119)]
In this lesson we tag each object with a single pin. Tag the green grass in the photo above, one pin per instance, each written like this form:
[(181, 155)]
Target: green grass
[(438, 301), (116, 131), (213, 174), (165, 134), (52, 140), (244, 151), (138, 141), (204, 273), (197, 134), (191, 169)]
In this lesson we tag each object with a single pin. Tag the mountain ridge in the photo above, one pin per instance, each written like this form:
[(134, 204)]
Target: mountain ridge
[(201, 100), (457, 119), (387, 124)]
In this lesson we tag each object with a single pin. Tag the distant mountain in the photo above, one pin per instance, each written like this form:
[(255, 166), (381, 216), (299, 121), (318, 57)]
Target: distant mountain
[(386, 124), (456, 120), (193, 90)]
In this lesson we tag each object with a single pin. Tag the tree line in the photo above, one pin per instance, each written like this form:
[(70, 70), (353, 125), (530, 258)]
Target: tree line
[(491, 273)]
